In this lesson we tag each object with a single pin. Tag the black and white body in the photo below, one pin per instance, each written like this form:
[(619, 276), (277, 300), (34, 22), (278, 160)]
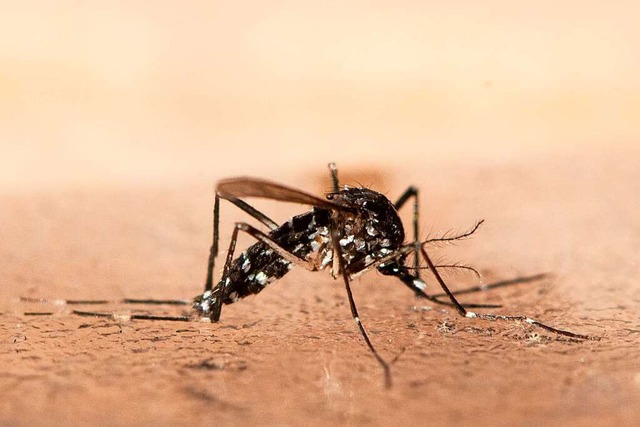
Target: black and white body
[(365, 237), (348, 232)]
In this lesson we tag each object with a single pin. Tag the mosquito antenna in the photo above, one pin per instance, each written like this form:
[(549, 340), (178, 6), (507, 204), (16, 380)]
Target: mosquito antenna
[(130, 301), (447, 239)]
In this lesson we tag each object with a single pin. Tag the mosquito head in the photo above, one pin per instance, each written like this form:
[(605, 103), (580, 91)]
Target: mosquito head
[(364, 200)]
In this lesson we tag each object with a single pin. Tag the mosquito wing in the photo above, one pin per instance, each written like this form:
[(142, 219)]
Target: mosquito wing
[(256, 187)]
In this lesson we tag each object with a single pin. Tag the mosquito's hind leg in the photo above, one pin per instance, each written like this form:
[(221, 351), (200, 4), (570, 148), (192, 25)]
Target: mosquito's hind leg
[(132, 316), (472, 315), (414, 281), (130, 301), (105, 302)]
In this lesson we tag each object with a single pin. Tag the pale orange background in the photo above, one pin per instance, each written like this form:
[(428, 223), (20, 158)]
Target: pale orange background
[(96, 93), (117, 118)]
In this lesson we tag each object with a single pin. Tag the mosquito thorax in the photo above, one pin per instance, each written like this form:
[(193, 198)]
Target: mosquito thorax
[(376, 230)]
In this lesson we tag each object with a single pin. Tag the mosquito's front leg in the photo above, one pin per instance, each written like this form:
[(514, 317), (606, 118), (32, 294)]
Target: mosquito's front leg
[(352, 305), (472, 315), (412, 192)]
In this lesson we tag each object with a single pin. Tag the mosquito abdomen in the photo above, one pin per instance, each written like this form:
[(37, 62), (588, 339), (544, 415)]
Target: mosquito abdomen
[(260, 265)]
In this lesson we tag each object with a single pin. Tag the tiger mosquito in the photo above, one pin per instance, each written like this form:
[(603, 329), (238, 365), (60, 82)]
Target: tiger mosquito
[(351, 231)]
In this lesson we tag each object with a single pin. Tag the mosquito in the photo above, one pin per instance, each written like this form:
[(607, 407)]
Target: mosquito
[(350, 231)]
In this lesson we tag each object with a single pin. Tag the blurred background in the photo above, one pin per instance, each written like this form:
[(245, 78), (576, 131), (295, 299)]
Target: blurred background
[(116, 93)]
